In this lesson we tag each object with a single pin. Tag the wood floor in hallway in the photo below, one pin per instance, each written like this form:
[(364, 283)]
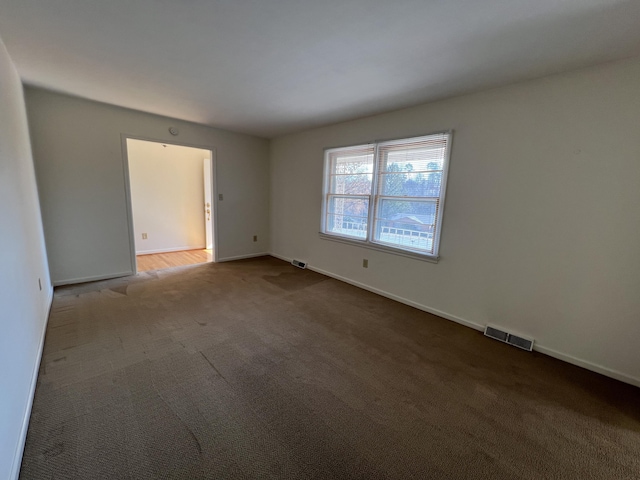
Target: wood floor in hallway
[(158, 261)]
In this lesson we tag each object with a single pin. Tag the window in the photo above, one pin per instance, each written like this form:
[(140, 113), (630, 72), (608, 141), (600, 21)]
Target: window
[(387, 195)]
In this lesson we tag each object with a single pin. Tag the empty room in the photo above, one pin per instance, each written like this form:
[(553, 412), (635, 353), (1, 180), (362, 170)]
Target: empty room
[(408, 237)]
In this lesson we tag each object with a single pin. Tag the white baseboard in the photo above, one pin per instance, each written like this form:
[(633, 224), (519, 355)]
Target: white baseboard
[(172, 249), (72, 281), (241, 257), (17, 459), (397, 298), (607, 372), (476, 326)]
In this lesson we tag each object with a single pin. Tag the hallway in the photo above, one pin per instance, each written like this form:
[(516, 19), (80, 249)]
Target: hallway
[(158, 261)]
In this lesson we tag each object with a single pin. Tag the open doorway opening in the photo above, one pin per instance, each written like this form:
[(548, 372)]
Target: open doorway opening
[(171, 191)]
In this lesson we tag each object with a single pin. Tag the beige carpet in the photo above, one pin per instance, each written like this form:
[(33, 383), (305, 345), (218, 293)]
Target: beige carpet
[(256, 369)]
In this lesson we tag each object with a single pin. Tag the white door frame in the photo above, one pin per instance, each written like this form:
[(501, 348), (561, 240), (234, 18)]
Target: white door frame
[(207, 170), (127, 184)]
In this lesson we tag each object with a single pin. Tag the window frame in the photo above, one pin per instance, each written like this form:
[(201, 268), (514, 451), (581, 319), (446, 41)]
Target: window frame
[(375, 199), (327, 195)]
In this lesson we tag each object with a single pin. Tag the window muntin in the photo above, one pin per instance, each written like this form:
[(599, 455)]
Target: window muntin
[(390, 193)]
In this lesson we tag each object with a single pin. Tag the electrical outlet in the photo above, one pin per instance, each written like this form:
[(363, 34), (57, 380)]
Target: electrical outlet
[(220, 197), (144, 236), (255, 238), (40, 284), (365, 263)]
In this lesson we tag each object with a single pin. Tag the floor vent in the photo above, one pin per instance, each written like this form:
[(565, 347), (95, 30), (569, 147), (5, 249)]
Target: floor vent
[(506, 337), (298, 264)]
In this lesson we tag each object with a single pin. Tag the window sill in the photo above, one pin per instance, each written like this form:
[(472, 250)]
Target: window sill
[(380, 248)]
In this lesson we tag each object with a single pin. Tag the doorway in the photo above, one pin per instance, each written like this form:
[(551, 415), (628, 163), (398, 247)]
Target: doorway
[(171, 188)]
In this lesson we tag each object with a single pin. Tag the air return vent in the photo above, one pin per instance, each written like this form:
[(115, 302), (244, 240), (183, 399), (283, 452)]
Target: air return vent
[(506, 337), (298, 264)]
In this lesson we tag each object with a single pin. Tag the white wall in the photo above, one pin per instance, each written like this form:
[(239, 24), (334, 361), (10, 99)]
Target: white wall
[(23, 305), (80, 168), (167, 196), (541, 225)]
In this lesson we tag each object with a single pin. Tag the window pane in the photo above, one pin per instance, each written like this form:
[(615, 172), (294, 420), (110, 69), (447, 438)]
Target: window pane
[(423, 210), (408, 184), (406, 223), (347, 216), (351, 184), (412, 159), (350, 163)]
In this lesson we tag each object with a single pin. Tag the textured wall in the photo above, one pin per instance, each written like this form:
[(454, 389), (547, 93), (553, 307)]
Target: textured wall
[(79, 163), (24, 302), (541, 223)]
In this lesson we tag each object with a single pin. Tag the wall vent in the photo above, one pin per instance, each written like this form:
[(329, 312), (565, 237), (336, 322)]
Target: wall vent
[(298, 263), (511, 339)]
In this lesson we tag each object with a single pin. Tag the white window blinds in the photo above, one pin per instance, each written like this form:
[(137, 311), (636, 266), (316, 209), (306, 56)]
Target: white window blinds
[(409, 191)]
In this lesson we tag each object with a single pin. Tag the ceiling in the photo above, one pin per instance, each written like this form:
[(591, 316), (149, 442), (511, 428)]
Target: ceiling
[(270, 67)]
